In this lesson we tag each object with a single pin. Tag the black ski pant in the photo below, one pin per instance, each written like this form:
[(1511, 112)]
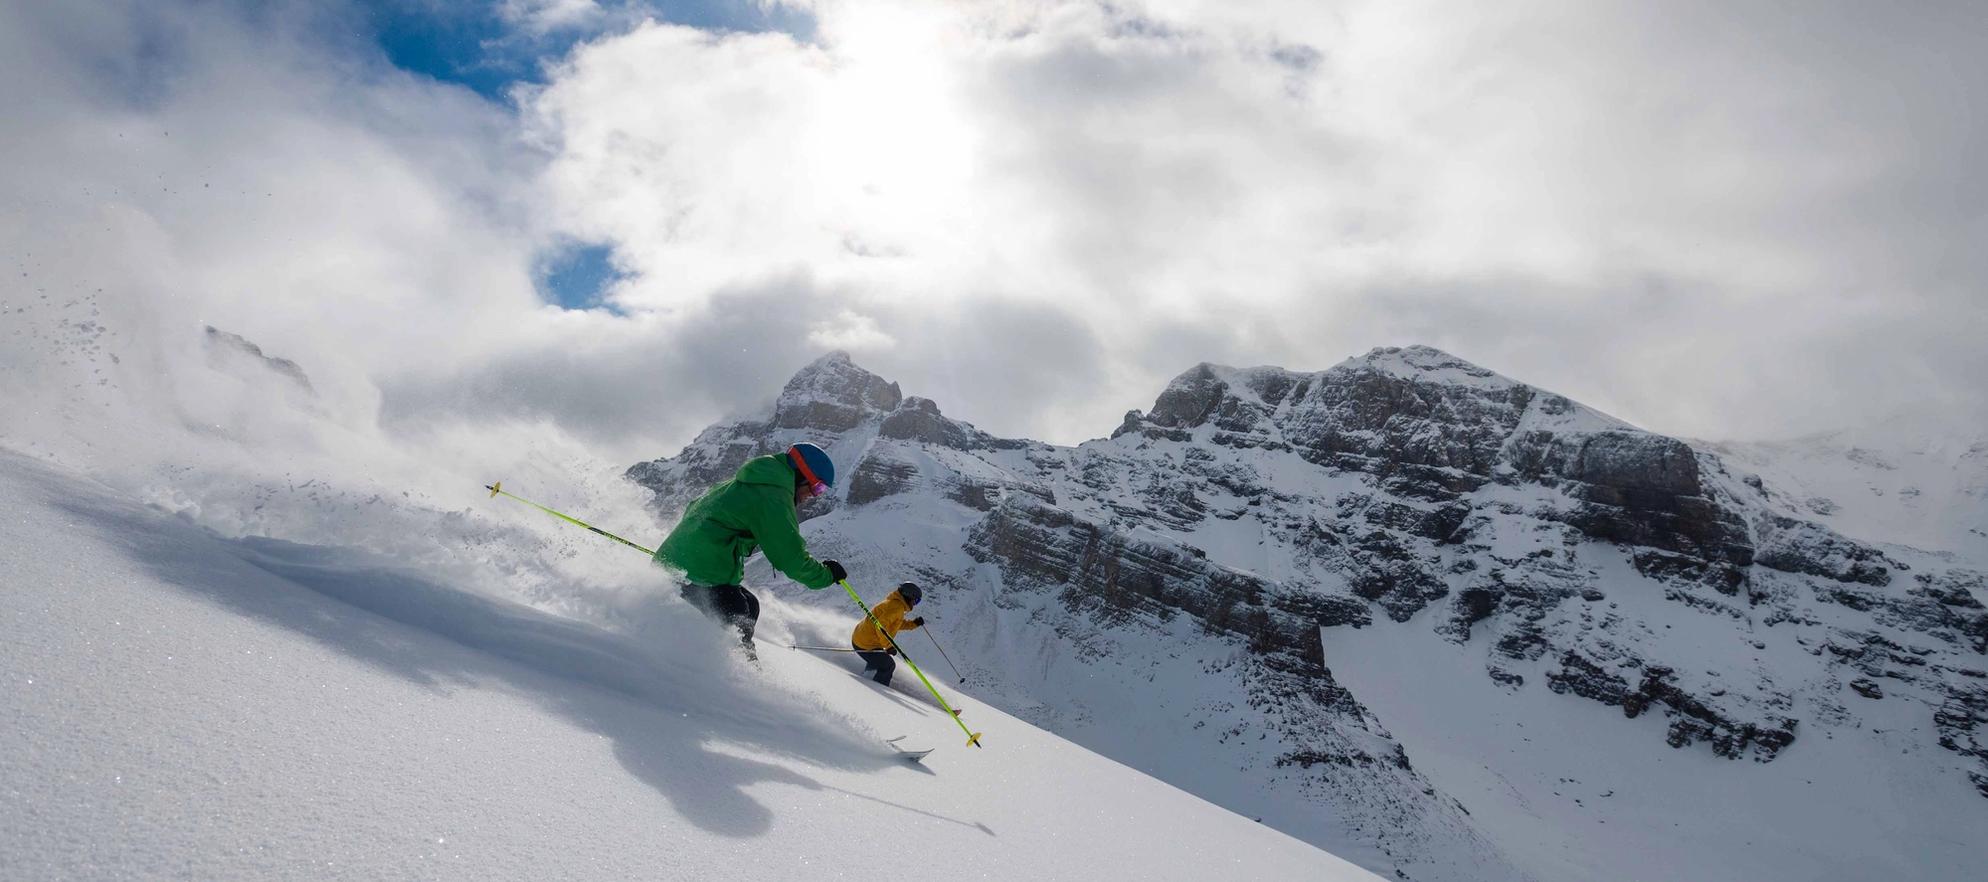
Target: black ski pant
[(878, 661), (731, 604)]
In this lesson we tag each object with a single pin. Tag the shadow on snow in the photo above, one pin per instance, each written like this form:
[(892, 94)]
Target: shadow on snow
[(666, 695)]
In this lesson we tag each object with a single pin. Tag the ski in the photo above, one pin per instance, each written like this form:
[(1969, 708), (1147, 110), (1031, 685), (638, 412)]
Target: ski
[(972, 737), (907, 753)]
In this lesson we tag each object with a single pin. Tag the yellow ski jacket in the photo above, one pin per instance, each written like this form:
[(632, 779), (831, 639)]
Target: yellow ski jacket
[(891, 614)]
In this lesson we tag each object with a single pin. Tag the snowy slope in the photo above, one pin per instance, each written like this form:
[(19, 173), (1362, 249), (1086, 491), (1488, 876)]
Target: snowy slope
[(1410, 610), (1396, 609), (179, 704), (1577, 794), (1916, 482)]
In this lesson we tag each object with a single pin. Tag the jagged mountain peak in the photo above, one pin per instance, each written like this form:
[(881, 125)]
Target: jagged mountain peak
[(1425, 363), (833, 394), (919, 419), (1414, 362), (1259, 519), (1415, 405), (1188, 398), (831, 401), (833, 361)]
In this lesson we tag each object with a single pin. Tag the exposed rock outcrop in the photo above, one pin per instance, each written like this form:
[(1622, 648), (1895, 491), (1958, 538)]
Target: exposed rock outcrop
[(1248, 509)]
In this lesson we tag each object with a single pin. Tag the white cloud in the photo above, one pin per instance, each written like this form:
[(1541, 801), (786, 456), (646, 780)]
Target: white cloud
[(1706, 220), (541, 17), (1629, 206), (849, 331), (178, 167)]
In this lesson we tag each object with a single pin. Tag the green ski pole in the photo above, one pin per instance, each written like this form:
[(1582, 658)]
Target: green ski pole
[(497, 490), (972, 737)]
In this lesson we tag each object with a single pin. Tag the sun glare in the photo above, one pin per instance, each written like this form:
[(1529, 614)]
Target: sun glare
[(895, 140)]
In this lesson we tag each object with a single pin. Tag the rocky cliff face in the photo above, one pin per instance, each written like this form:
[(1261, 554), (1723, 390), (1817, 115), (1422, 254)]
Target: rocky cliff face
[(829, 399), (1251, 512)]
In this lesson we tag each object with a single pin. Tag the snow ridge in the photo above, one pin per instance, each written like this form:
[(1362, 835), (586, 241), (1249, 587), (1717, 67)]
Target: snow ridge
[(184, 704), (1199, 595)]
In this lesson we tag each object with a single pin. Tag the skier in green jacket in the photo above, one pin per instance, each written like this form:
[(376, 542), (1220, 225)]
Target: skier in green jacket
[(753, 511)]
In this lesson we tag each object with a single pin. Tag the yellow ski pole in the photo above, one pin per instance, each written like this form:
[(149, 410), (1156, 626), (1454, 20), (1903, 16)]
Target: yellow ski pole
[(497, 490), (972, 737)]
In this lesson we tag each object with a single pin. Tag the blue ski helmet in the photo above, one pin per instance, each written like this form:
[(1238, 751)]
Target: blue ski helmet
[(812, 463)]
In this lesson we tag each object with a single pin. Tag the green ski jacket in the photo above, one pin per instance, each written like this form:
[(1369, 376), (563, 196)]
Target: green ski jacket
[(753, 511)]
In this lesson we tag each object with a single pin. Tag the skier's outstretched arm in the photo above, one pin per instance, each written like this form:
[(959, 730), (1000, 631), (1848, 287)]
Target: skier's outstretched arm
[(778, 531)]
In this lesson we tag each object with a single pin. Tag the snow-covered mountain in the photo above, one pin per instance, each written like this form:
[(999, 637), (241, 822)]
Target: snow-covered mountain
[(183, 704), (1435, 620), (1909, 481), (249, 632)]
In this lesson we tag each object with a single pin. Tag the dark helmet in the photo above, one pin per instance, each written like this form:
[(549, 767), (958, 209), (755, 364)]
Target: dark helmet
[(910, 593), (809, 458)]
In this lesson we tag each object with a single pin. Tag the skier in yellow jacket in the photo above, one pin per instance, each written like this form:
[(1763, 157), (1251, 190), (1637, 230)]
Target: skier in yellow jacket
[(871, 643)]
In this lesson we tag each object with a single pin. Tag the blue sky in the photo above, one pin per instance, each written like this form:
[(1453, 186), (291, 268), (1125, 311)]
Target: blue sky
[(472, 44), (1034, 212), (576, 276)]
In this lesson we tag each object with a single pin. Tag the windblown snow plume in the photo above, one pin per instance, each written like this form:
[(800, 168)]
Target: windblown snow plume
[(248, 442)]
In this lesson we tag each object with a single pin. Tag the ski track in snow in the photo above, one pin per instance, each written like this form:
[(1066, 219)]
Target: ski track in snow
[(181, 705)]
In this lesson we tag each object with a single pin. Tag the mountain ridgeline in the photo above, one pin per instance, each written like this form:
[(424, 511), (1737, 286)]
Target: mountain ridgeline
[(1201, 558)]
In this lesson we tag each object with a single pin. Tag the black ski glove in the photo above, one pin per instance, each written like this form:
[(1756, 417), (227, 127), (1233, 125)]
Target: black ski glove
[(835, 570), (920, 621)]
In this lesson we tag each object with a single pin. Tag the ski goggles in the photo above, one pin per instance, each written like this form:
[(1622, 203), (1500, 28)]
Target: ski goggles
[(816, 486)]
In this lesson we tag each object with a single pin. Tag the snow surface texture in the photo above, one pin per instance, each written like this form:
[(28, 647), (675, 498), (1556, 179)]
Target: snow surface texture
[(1562, 601), (180, 704), (1920, 483), (1432, 619), (267, 637)]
